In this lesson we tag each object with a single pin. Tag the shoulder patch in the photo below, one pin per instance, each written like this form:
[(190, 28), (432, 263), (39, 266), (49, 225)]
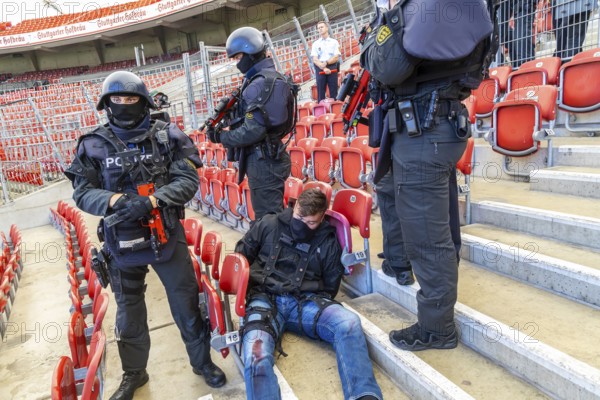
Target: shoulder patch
[(249, 115), (383, 34)]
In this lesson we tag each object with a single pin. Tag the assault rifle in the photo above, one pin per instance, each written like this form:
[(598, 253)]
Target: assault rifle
[(223, 108), (358, 93)]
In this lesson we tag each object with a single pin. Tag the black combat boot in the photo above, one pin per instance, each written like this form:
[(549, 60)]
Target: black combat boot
[(415, 338), (213, 375), (404, 276), (130, 382)]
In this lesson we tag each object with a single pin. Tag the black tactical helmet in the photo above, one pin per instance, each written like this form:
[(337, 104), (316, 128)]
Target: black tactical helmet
[(123, 83), (245, 40)]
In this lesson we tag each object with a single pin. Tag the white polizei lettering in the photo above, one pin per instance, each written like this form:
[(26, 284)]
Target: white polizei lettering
[(116, 161)]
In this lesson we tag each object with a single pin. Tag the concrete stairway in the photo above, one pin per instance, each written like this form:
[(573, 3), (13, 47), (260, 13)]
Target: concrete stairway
[(529, 288)]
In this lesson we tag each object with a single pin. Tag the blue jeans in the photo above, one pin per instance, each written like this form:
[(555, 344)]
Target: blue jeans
[(336, 325)]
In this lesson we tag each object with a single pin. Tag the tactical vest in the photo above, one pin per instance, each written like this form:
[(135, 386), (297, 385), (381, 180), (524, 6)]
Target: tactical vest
[(419, 41), (268, 88), (121, 170)]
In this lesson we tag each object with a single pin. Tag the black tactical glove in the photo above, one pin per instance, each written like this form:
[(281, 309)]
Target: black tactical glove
[(214, 135), (133, 208)]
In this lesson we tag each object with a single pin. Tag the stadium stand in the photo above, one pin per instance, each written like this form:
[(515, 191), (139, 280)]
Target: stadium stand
[(558, 102)]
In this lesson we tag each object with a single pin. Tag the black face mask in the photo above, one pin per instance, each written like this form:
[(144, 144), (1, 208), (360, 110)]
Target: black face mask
[(245, 63), (127, 115), (300, 231)]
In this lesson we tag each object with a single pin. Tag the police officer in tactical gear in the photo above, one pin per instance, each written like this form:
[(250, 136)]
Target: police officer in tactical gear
[(427, 63), (295, 274), (111, 163), (263, 116)]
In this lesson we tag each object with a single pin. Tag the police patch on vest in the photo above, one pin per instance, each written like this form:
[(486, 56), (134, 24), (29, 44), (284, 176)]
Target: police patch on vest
[(249, 115), (383, 34)]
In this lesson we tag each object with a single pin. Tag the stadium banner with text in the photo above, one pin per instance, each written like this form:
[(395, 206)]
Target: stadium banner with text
[(97, 26)]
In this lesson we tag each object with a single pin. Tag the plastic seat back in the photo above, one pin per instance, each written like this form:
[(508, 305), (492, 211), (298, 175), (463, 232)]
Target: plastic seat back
[(541, 71), (325, 188), (93, 386), (211, 252), (298, 161), (352, 168), (235, 275), (355, 205), (465, 164), (77, 341), (63, 380), (579, 82), (193, 233), (292, 189), (215, 310), (342, 229), (216, 189), (234, 199)]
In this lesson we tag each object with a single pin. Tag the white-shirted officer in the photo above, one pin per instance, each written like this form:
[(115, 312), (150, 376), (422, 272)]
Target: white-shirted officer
[(325, 55)]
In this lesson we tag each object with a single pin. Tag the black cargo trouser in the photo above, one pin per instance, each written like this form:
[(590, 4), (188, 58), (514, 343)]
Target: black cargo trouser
[(266, 179), (131, 330), (422, 167)]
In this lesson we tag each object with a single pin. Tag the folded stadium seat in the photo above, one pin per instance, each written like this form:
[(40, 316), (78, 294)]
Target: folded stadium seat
[(356, 206), (521, 121), (351, 168), (319, 130), (227, 175), (193, 235), (469, 103), (77, 340), (3, 313), (220, 157), (319, 109), (337, 127), (232, 203), (304, 110), (578, 89), (93, 384), (63, 380), (325, 188), (302, 131), (205, 200), (211, 254), (541, 71), (212, 308), (324, 158), (233, 281), (490, 90), (216, 197), (336, 107), (246, 210), (343, 233), (299, 162), (465, 166), (292, 189)]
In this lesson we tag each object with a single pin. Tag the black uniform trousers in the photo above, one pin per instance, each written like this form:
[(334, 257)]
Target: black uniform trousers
[(131, 330), (266, 179), (422, 167), (325, 81), (393, 245)]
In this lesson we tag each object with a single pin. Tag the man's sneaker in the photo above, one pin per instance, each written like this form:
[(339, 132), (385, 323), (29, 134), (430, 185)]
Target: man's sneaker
[(404, 277), (130, 382), (415, 338), (213, 375)]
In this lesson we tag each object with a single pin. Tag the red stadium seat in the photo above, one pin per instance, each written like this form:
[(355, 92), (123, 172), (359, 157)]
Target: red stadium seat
[(214, 311), (517, 121), (465, 166), (356, 206), (193, 234), (292, 189), (578, 89), (247, 211), (211, 253), (63, 380), (93, 384), (324, 158), (232, 203), (541, 71), (325, 188)]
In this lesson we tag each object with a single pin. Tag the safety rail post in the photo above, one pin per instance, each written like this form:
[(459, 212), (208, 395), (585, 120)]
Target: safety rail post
[(190, 89), (353, 16), (324, 14), (207, 84), (273, 53), (88, 98), (36, 112), (3, 183), (311, 67)]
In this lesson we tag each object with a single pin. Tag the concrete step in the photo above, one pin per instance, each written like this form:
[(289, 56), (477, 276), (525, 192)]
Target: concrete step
[(539, 262), (449, 374), (532, 333), (574, 181), (513, 205), (578, 155)]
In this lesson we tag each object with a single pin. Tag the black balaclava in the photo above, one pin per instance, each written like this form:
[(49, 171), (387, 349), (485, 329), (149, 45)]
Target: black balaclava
[(248, 60), (300, 231), (127, 115)]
